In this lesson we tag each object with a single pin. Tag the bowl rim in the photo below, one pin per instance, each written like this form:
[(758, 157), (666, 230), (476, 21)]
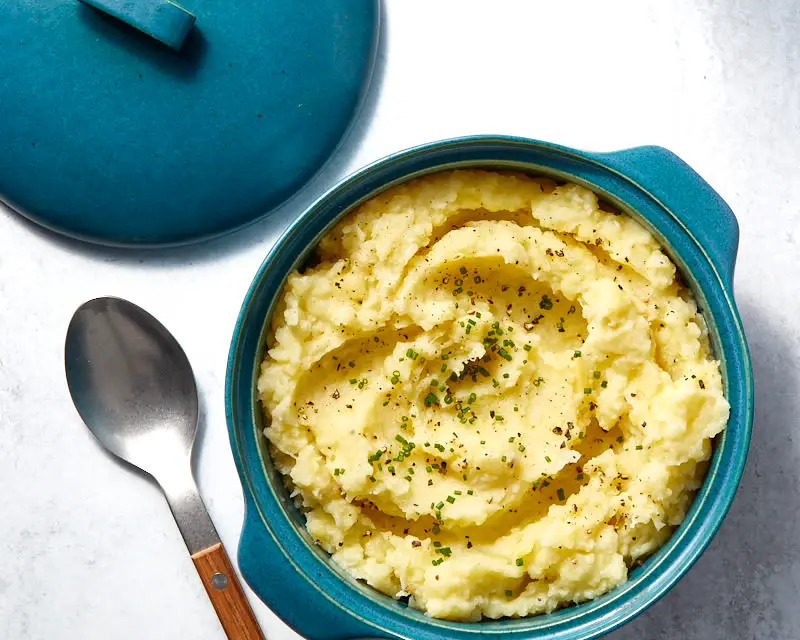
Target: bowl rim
[(669, 563)]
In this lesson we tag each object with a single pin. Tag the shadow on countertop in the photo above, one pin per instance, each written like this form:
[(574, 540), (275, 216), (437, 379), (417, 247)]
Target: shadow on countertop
[(746, 586)]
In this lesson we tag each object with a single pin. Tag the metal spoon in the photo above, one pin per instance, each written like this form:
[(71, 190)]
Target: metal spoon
[(134, 388)]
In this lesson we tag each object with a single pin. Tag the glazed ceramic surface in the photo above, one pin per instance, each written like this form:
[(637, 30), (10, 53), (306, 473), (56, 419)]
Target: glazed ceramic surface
[(295, 577), (109, 135)]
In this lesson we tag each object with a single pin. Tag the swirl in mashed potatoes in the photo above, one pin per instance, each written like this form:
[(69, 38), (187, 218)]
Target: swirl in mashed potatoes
[(490, 394)]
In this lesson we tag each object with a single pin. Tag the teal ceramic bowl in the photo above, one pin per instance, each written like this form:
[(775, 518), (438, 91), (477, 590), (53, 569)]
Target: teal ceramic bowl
[(299, 582)]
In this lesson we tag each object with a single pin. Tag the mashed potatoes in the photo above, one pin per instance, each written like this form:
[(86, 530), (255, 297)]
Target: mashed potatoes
[(490, 394)]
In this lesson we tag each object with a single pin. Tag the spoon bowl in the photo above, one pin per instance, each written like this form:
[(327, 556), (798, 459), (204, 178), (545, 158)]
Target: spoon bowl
[(132, 385)]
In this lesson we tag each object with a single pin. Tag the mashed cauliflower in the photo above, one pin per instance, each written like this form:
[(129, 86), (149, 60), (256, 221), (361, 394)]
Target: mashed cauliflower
[(490, 394)]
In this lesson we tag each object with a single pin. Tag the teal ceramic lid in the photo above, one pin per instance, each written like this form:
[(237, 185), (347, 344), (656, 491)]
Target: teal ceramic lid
[(149, 122)]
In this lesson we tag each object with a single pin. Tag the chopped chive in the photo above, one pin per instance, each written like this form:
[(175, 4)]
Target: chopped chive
[(435, 529), (527, 347), (576, 354), (509, 593), (431, 399), (604, 384), (587, 390), (560, 494), (436, 543), (596, 375), (547, 459), (546, 303), (457, 492), (470, 492), (519, 562), (639, 447), (450, 499)]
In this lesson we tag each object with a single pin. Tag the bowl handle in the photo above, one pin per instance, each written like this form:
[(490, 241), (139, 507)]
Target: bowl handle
[(684, 193), (299, 603)]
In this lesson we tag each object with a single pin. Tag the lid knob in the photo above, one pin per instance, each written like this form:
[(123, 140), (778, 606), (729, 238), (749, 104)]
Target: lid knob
[(165, 21)]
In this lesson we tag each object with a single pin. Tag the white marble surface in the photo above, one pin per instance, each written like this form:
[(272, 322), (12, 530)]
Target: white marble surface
[(89, 550)]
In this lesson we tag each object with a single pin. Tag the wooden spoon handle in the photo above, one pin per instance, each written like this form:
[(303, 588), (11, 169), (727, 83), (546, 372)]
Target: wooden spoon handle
[(226, 594)]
